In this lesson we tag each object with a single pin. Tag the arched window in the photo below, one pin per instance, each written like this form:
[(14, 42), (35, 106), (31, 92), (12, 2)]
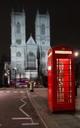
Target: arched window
[(31, 61), (42, 29), (18, 27), (18, 41)]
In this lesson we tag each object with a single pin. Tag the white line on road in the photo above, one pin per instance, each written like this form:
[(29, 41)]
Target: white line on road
[(27, 116), (29, 124), (20, 118), (15, 91), (36, 109), (7, 91), (21, 91), (20, 108)]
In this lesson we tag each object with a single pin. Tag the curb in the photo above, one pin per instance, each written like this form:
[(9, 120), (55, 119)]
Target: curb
[(35, 105)]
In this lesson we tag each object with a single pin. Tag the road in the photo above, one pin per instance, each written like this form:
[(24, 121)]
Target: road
[(16, 110)]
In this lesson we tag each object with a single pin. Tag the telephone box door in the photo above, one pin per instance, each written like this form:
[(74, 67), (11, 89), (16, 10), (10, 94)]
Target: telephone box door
[(61, 84), (65, 93)]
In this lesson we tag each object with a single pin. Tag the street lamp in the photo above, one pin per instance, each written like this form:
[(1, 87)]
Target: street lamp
[(77, 69), (5, 78), (76, 54), (8, 73), (15, 73)]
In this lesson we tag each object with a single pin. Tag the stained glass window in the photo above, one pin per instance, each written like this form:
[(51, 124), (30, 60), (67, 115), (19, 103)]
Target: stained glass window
[(31, 62)]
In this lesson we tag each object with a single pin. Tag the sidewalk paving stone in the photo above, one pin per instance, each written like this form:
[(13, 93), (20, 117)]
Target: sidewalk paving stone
[(39, 97)]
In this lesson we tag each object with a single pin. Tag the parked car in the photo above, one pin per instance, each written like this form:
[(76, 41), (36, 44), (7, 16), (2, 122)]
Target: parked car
[(20, 82)]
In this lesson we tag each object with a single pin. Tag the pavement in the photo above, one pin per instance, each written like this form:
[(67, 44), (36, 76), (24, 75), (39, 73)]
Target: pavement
[(39, 100)]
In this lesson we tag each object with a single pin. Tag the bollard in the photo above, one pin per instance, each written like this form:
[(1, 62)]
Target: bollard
[(31, 86)]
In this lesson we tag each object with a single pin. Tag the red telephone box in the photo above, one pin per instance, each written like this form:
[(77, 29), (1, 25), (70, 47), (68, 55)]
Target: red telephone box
[(61, 83)]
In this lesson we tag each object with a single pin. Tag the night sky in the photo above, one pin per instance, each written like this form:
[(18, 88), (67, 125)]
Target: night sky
[(64, 21)]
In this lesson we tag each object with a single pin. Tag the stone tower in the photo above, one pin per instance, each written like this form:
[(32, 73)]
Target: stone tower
[(29, 57), (42, 37), (18, 41)]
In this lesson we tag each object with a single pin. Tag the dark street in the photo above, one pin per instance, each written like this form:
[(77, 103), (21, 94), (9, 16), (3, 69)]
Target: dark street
[(16, 111)]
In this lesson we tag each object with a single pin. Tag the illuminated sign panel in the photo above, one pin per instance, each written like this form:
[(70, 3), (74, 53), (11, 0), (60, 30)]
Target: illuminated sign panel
[(63, 52)]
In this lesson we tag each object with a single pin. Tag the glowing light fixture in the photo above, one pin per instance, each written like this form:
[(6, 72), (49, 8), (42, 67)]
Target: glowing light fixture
[(76, 54), (49, 67), (50, 54)]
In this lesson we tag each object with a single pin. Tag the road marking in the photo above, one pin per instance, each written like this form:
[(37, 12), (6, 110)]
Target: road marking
[(20, 118), (20, 108), (7, 91), (15, 91), (29, 124), (27, 116), (21, 91), (36, 109)]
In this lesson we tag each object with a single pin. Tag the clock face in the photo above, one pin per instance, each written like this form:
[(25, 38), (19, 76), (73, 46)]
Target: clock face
[(18, 41)]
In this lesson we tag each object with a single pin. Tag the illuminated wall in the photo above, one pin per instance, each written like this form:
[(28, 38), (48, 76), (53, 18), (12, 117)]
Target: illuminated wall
[(24, 54)]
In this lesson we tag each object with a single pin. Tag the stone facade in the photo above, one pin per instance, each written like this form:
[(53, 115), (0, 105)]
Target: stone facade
[(29, 57)]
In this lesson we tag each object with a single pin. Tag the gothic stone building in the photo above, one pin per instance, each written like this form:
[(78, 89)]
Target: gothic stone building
[(28, 58)]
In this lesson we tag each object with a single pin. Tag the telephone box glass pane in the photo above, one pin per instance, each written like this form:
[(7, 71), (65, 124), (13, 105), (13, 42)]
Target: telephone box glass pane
[(64, 81)]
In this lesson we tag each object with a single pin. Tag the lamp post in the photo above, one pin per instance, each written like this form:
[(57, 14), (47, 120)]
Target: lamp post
[(5, 78), (8, 72), (15, 73), (77, 70)]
